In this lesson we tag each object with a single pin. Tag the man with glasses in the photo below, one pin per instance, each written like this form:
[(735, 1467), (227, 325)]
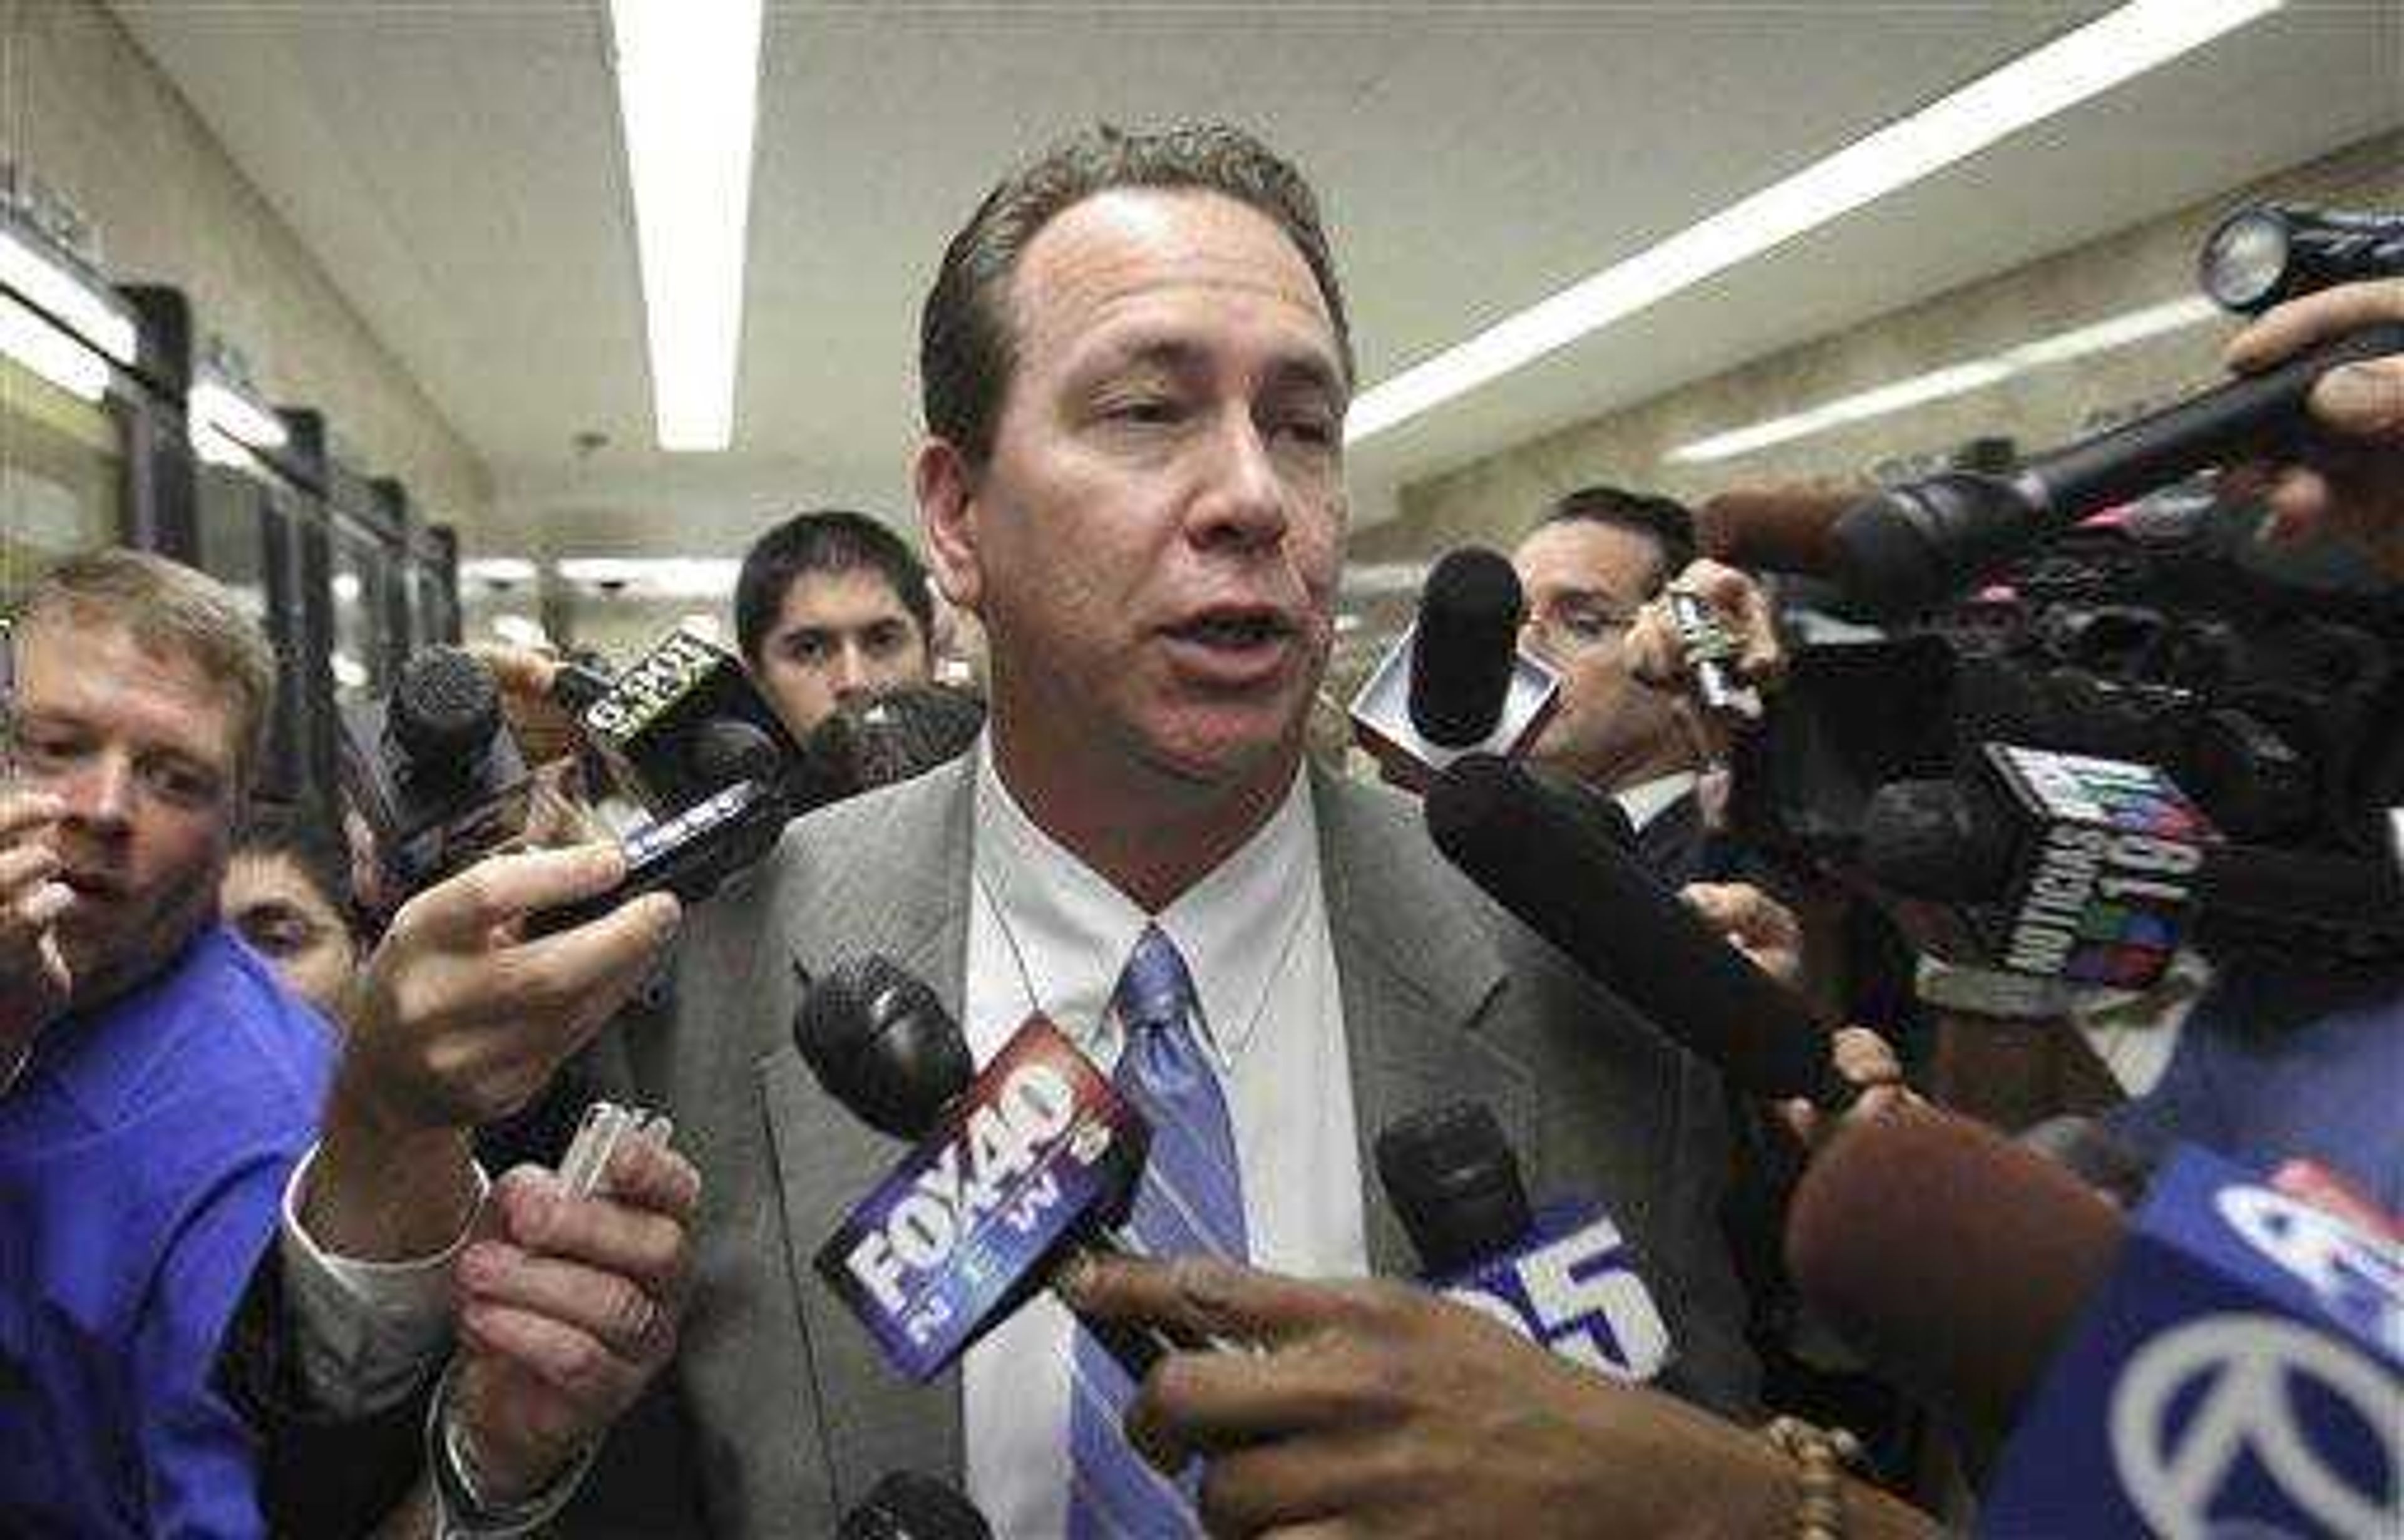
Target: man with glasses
[(1592, 564)]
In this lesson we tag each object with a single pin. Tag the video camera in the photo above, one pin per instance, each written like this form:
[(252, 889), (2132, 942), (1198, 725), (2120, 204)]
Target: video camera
[(2259, 681)]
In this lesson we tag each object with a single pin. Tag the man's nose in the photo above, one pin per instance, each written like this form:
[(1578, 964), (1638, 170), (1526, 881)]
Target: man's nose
[(1245, 500), (99, 794), (848, 672)]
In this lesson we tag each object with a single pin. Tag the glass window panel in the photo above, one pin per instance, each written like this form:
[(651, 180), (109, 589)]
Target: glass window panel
[(62, 478)]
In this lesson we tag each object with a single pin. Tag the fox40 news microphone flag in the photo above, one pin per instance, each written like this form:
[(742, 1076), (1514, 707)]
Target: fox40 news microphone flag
[(2240, 1373)]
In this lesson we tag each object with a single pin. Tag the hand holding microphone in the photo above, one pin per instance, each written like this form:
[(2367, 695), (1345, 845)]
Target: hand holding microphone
[(2351, 480), (1376, 1408), (1715, 624), (568, 1305), (458, 1019), (1012, 1171)]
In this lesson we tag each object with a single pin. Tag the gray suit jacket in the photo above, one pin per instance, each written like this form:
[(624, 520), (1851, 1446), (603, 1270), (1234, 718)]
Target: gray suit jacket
[(793, 1414)]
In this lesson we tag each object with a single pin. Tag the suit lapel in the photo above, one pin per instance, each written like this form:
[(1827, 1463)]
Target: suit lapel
[(906, 898), (1416, 969)]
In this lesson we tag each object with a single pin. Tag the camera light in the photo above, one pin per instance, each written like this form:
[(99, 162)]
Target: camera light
[(2244, 263)]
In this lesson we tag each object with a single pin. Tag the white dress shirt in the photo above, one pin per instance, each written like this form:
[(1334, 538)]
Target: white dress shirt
[(1648, 800), (1046, 933)]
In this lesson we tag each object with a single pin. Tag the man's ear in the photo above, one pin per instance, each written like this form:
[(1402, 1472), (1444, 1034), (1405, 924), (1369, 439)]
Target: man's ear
[(947, 490)]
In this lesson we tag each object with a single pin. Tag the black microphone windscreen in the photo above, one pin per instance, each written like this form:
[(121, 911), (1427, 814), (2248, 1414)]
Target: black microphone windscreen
[(727, 749), (445, 709), (880, 1043), (1936, 839), (887, 737), (1950, 1257), (907, 1505), (1455, 1185), (1617, 922), (1463, 650)]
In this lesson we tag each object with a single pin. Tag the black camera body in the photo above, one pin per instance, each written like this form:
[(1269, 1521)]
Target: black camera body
[(433, 769), (2259, 679)]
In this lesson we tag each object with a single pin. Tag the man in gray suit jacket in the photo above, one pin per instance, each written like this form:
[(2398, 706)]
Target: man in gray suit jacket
[(1136, 366)]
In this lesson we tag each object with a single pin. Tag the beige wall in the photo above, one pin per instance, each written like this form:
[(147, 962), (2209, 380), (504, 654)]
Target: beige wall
[(83, 109), (1493, 500)]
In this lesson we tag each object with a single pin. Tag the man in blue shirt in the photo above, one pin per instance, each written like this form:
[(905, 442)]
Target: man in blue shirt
[(157, 1084)]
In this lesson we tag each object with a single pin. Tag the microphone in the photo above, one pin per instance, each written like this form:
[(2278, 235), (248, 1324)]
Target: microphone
[(2229, 1359), (1774, 528), (1563, 1279), (1598, 904), (1910, 547), (2093, 870), (1467, 636), (907, 1505), (890, 736), (683, 723), (1456, 681), (1948, 1257), (861, 745), (432, 768), (1011, 1167)]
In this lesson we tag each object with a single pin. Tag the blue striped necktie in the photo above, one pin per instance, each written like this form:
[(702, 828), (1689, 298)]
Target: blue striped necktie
[(1189, 1199)]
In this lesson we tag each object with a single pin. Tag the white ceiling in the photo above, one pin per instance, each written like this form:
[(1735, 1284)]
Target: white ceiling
[(455, 167)]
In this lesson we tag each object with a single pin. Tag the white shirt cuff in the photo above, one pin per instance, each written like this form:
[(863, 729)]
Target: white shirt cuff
[(367, 1332)]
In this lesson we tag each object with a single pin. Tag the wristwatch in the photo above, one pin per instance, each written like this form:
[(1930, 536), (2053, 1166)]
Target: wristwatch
[(461, 1510)]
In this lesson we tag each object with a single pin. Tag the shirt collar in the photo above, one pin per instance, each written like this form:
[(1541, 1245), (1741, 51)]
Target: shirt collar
[(1648, 800), (1070, 931)]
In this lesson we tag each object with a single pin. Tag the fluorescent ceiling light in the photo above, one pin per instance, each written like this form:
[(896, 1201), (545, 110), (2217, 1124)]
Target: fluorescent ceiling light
[(1365, 581), (502, 571), (2047, 80), (1952, 380), (665, 578), (214, 405), (520, 630), (687, 93), (32, 341), (88, 311)]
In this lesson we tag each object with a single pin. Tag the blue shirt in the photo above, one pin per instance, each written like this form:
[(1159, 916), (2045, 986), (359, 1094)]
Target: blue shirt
[(142, 1157), (2289, 1056)]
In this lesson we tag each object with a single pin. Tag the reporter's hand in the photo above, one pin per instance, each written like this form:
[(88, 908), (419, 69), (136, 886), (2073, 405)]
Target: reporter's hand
[(2353, 485), (1741, 606), (1755, 924), (568, 1310), (1658, 659), (458, 1019), (545, 730), (1379, 1409), (35, 980), (1864, 1058)]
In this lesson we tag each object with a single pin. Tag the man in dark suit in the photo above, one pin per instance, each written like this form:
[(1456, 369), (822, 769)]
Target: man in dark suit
[(1593, 563), (1136, 366)]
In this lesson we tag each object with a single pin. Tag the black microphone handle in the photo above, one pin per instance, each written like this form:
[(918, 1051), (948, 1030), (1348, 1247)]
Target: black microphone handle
[(1918, 544), (2245, 415), (1613, 918)]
